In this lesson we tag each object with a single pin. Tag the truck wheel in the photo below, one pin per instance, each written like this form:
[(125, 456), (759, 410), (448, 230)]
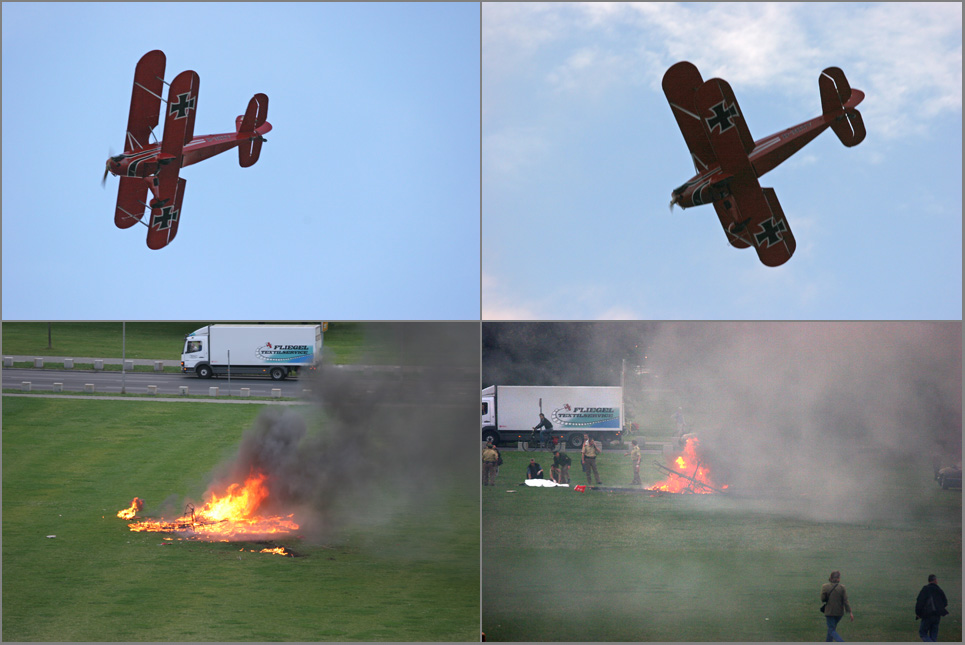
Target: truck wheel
[(278, 373), (490, 436), (204, 371), (575, 440)]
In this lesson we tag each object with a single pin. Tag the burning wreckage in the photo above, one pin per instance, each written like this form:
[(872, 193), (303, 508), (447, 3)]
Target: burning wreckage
[(232, 516), (687, 473)]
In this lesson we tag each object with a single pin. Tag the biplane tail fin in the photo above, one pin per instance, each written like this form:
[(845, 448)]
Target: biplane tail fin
[(255, 123), (838, 101)]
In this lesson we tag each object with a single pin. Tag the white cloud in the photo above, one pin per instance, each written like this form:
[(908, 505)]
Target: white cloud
[(497, 304), (907, 57)]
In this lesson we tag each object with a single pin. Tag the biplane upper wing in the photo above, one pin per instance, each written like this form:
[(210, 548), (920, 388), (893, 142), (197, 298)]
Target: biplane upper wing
[(181, 110), (727, 133), (724, 125), (752, 216), (145, 100), (131, 198), (680, 85), (169, 187)]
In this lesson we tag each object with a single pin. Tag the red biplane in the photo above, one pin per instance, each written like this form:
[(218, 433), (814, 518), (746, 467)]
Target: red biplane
[(151, 170), (728, 160)]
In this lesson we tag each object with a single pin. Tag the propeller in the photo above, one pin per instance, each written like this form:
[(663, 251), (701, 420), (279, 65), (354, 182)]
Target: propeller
[(107, 165)]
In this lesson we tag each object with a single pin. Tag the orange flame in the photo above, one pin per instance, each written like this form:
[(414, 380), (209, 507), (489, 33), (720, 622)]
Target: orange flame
[(277, 551), (129, 513), (688, 463), (232, 515)]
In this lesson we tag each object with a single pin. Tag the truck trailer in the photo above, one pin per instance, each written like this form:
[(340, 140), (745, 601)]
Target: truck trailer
[(252, 350), (509, 413)]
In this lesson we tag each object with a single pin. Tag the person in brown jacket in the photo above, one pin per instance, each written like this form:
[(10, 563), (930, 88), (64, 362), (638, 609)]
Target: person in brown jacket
[(590, 451), (835, 598), (490, 459)]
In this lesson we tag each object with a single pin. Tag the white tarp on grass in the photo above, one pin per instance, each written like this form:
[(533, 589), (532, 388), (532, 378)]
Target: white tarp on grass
[(545, 483)]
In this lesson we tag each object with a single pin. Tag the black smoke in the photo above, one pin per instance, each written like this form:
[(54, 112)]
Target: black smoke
[(378, 440)]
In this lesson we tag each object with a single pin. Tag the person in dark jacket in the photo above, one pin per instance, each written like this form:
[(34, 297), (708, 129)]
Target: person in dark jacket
[(534, 470), (545, 428), (930, 607)]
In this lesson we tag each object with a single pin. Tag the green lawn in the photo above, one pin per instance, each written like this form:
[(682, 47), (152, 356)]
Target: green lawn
[(70, 465), (563, 565), (344, 343)]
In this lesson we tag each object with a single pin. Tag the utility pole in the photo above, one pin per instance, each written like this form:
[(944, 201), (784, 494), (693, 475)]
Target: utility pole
[(123, 357)]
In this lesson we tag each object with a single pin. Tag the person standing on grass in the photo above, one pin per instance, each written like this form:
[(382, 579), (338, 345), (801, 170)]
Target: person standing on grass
[(590, 452), (835, 598), (635, 457), (489, 459), (930, 607)]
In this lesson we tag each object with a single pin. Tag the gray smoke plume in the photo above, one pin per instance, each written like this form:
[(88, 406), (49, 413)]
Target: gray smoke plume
[(827, 420), (823, 419), (379, 440)]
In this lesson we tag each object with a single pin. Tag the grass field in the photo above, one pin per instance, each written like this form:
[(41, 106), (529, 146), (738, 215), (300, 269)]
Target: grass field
[(70, 465), (559, 565), (345, 343)]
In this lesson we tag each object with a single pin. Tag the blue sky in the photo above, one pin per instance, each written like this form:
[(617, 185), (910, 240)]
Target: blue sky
[(364, 204), (580, 153)]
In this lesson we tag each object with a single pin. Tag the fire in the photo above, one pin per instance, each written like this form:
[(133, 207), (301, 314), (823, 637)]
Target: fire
[(129, 513), (277, 551), (231, 515), (689, 473)]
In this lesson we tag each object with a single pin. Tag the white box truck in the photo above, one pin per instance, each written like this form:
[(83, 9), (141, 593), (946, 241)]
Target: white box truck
[(509, 413), (252, 350)]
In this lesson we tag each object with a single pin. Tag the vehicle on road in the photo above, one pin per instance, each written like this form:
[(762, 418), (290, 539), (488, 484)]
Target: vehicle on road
[(277, 351)]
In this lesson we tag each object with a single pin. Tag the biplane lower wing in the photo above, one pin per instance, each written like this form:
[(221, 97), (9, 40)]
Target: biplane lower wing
[(131, 198), (752, 216), (726, 215), (166, 213), (680, 85)]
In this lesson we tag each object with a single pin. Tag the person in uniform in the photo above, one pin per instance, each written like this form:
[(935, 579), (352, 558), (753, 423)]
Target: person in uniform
[(489, 459), (635, 457), (590, 452)]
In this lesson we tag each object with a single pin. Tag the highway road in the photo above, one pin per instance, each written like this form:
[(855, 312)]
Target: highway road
[(138, 382)]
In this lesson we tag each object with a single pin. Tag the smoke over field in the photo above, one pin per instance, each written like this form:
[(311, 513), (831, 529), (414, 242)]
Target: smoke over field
[(824, 416), (380, 441), (825, 434), (821, 415)]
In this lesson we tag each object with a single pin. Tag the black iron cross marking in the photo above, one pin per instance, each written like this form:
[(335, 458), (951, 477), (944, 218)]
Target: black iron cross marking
[(723, 117), (770, 233), (185, 103), (165, 219)]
